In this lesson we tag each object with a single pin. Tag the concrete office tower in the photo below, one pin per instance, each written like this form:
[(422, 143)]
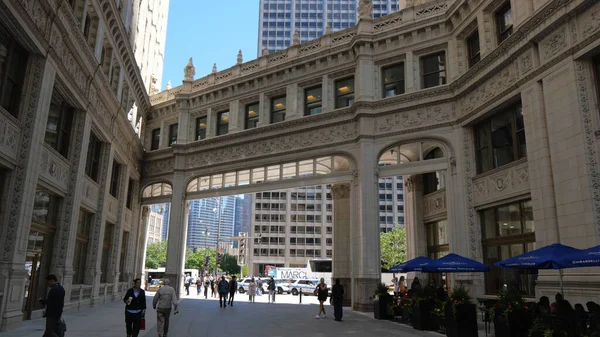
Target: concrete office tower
[(278, 20), (243, 215), (149, 36), (155, 225), (204, 217)]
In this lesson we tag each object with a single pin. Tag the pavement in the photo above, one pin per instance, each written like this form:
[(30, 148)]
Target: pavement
[(203, 317)]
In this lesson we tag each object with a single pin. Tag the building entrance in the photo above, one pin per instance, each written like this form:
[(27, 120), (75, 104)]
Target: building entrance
[(30, 302)]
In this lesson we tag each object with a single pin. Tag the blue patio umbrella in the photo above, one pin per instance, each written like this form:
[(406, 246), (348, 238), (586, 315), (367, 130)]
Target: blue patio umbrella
[(454, 263), (548, 257), (416, 264), (584, 258)]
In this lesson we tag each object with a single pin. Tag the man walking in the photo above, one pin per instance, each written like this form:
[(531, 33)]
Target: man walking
[(232, 289), (54, 302), (188, 281), (337, 293), (165, 298), (135, 309), (223, 287)]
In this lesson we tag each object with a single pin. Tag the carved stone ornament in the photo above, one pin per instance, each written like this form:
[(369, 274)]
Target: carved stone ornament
[(240, 57), (214, 69), (553, 44), (189, 71), (340, 191), (296, 38), (414, 183), (365, 10), (265, 51), (512, 180), (327, 29), (169, 85)]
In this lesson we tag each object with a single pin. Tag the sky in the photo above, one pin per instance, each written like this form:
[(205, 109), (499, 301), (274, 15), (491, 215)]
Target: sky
[(210, 31)]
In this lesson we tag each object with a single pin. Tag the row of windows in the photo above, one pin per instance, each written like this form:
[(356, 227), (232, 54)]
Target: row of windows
[(390, 185), (390, 208), (294, 241), (293, 207), (388, 196), (274, 252), (293, 229), (390, 220)]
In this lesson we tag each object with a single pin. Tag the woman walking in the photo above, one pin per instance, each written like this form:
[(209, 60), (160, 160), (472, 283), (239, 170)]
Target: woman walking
[(322, 296), (251, 290)]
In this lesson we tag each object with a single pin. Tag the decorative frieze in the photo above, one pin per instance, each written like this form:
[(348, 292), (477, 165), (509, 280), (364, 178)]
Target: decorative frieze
[(111, 208), (159, 167), (9, 135), (553, 44), (434, 204), (54, 169), (89, 193), (508, 182), (413, 118)]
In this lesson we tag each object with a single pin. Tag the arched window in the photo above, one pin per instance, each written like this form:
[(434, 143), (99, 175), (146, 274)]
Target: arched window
[(157, 190), (433, 181)]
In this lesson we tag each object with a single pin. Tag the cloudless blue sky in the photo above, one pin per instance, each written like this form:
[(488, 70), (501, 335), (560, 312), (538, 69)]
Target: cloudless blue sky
[(210, 31)]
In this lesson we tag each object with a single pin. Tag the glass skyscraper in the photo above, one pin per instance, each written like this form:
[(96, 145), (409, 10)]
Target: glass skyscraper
[(204, 217), (280, 18)]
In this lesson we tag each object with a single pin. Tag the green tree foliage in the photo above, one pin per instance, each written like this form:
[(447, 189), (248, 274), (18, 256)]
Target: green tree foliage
[(393, 247), (245, 271), (229, 264), (195, 260), (156, 255)]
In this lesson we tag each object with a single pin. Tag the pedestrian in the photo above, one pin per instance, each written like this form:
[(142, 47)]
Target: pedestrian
[(396, 285), (54, 302), (402, 288), (164, 299), (259, 286), (149, 283), (223, 288), (232, 289), (188, 280), (322, 296), (251, 290), (135, 308), (206, 285), (199, 285), (337, 294), (272, 289), (212, 286)]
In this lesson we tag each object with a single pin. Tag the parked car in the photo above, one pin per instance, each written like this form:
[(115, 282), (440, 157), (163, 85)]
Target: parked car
[(243, 285), (283, 285), (307, 287)]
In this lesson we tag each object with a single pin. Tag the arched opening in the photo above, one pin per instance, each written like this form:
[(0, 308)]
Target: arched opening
[(157, 190)]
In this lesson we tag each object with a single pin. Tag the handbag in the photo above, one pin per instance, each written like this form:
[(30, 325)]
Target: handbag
[(143, 324)]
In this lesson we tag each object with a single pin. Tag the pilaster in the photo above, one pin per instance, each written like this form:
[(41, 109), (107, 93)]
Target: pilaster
[(211, 123), (142, 242), (263, 108), (364, 76), (327, 89), (177, 233), (14, 237), (183, 128), (342, 263), (415, 228), (411, 72), (292, 109), (236, 118)]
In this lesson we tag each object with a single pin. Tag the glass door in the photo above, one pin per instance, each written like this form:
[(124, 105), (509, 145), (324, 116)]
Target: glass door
[(32, 266)]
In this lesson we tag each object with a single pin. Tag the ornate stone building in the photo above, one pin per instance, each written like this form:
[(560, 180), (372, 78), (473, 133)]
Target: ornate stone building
[(487, 108), (70, 154)]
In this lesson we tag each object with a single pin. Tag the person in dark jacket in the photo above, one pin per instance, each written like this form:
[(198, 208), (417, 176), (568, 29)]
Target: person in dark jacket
[(337, 294), (135, 308), (54, 302), (223, 287), (232, 289)]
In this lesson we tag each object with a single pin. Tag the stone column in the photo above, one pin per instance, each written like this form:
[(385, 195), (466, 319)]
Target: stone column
[(328, 95), (416, 239), (236, 117), (211, 123), (264, 106), (341, 239), (94, 259), (14, 236), (292, 109), (62, 262), (117, 238), (177, 233), (142, 242), (410, 73), (365, 255), (364, 76), (183, 131)]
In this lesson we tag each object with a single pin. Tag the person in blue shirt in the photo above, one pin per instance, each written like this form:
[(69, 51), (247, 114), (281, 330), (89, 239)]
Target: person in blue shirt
[(54, 302), (135, 308)]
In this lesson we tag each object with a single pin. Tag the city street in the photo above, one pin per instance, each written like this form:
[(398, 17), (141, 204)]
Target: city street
[(200, 317)]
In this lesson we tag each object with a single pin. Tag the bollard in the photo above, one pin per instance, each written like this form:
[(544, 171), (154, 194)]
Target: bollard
[(300, 296)]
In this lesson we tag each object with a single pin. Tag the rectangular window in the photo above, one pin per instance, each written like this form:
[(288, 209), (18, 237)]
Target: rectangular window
[(173, 129), (500, 139), (201, 128), (223, 123), (278, 109), (505, 23), (393, 80), (92, 165), (114, 179), (58, 127), (344, 92), (129, 193), (473, 48), (433, 68), (251, 116), (106, 248), (13, 62), (313, 101), (507, 231), (81, 246), (155, 139)]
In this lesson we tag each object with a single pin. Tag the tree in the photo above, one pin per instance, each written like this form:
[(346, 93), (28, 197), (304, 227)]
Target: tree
[(393, 247), (196, 260), (229, 264), (245, 271), (156, 255)]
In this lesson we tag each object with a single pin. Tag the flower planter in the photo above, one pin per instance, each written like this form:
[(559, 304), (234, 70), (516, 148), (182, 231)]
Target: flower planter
[(381, 307), (421, 315), (518, 324), (406, 314), (463, 323)]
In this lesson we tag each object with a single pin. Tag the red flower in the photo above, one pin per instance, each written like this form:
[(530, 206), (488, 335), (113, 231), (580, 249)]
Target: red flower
[(526, 307), (509, 306), (455, 301)]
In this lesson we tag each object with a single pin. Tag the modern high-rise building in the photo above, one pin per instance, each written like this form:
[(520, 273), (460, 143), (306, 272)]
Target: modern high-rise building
[(279, 19), (149, 35), (203, 222), (243, 215)]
